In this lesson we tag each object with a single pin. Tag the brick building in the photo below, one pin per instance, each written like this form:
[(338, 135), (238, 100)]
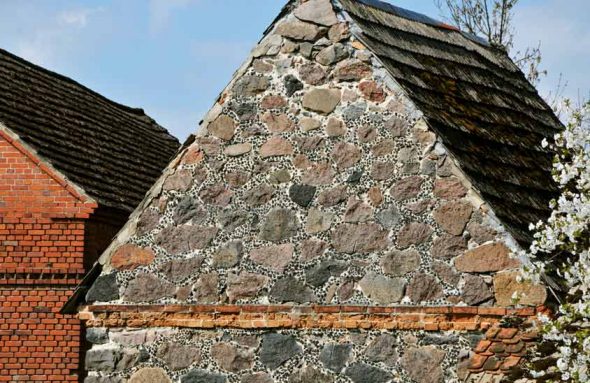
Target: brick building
[(346, 213), (73, 165)]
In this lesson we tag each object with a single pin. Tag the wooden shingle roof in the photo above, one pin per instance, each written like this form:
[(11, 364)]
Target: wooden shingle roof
[(113, 152), (477, 100)]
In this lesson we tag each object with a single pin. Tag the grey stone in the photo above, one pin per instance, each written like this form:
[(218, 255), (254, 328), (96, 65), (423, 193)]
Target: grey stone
[(210, 145), (245, 285), (364, 373), (345, 155), (310, 375), (246, 111), (238, 149), (232, 358), (317, 11), (148, 288), (334, 357), (228, 256), (320, 274), (103, 359), (354, 111), (424, 364), (333, 197), (130, 358), (216, 194), (475, 290), (179, 269), (448, 246), (339, 32), (440, 340), (270, 46), (406, 154), (202, 376), (389, 218), (382, 349), (276, 349), (258, 377), (423, 288), (223, 127), (352, 70), (259, 195), (399, 263), (250, 86), (178, 356), (299, 30), (97, 335), (322, 101), (355, 177), (382, 289), (357, 211), (302, 194), (413, 233), (306, 49), (407, 188), (230, 219), (205, 289), (181, 239), (189, 209), (312, 74), (280, 177), (361, 238), (292, 85), (480, 233), (332, 54), (453, 216), (289, 289), (104, 289), (311, 249), (275, 257), (382, 171), (279, 225), (397, 126), (150, 375), (446, 273), (318, 221)]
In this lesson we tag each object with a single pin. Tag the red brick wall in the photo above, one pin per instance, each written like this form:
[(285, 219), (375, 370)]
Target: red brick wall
[(42, 227)]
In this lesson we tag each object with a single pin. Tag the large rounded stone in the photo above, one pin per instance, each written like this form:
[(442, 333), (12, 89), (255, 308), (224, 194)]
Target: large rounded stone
[(245, 285), (275, 257), (333, 197), (448, 246), (475, 290), (335, 356), (237, 149), (332, 54), (276, 147), (413, 233), (217, 194), (149, 375), (446, 273), (232, 358), (383, 148), (104, 289), (178, 356), (290, 289), (389, 218), (279, 225), (280, 123), (181, 180), (382, 349), (407, 188), (182, 239), (202, 376), (486, 258), (372, 91), (312, 74), (382, 289), (228, 256), (318, 275), (311, 249), (179, 269), (318, 174), (453, 216), (317, 11), (258, 377), (318, 221), (339, 32), (249, 86), (423, 288), (361, 238), (302, 195), (399, 263), (206, 288), (449, 188), (310, 375), (223, 127), (292, 85), (148, 288), (276, 349), (364, 373), (259, 195), (506, 285), (424, 364), (189, 209), (299, 30), (382, 171), (322, 101), (102, 359), (352, 70), (357, 211)]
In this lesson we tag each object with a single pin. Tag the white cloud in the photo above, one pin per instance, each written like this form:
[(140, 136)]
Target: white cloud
[(77, 17), (161, 11)]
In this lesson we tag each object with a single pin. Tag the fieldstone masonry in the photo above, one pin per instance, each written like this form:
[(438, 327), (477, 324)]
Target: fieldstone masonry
[(313, 180)]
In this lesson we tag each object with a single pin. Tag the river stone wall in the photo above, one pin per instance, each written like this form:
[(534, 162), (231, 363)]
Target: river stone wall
[(294, 356)]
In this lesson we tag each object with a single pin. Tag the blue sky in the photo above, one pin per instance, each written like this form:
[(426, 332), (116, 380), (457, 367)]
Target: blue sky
[(173, 57)]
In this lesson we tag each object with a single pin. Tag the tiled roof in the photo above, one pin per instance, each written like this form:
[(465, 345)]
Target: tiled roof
[(486, 112), (113, 152)]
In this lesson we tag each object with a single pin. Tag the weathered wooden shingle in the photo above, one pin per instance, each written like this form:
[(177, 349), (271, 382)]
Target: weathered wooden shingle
[(113, 152), (482, 106)]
